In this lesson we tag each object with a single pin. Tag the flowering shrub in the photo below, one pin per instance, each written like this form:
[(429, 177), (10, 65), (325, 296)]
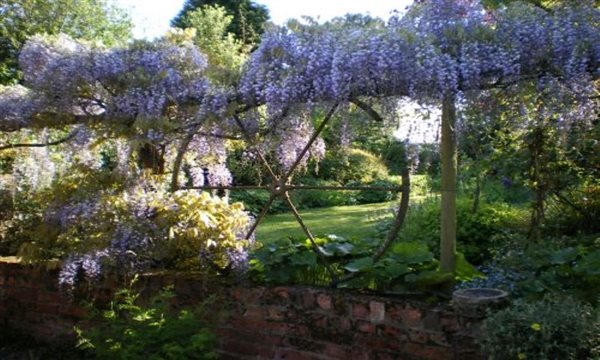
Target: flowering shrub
[(92, 222)]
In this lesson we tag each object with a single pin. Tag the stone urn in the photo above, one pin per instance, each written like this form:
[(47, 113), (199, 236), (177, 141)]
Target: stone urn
[(474, 303)]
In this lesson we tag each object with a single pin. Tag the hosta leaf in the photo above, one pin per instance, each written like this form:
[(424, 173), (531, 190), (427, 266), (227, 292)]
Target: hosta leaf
[(362, 264)]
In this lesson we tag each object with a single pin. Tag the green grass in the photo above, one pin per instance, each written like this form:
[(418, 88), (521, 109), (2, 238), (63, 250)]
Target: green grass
[(356, 221)]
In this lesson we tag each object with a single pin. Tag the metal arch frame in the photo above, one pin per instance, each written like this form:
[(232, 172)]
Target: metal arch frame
[(281, 186)]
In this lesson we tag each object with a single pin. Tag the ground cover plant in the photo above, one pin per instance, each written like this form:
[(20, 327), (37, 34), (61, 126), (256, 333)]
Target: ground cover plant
[(131, 330)]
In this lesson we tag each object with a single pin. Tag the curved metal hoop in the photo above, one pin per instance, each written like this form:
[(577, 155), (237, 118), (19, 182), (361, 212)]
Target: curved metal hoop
[(281, 186)]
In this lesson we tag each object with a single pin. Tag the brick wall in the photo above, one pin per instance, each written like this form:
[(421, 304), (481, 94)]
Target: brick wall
[(260, 322)]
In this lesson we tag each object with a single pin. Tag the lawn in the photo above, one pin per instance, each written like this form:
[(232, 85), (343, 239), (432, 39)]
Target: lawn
[(357, 221)]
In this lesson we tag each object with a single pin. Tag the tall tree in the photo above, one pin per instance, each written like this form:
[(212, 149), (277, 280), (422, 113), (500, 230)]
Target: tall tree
[(96, 20), (225, 53), (248, 17)]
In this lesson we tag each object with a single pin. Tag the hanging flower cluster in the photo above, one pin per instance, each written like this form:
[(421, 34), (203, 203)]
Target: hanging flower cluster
[(70, 81), (438, 47)]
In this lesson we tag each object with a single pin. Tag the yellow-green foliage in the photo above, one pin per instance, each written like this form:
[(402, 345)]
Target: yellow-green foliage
[(353, 165), (369, 166), (199, 221)]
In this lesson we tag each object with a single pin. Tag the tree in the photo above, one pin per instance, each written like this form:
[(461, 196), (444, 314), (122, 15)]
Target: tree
[(84, 19), (248, 17), (225, 54)]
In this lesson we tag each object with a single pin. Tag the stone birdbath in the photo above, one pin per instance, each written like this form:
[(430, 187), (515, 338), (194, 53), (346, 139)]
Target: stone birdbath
[(474, 303)]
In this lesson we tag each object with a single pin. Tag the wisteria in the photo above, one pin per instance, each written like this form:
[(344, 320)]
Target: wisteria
[(293, 136), (89, 82), (439, 46)]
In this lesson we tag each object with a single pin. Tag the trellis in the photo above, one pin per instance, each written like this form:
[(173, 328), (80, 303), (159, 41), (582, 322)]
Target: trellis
[(282, 185)]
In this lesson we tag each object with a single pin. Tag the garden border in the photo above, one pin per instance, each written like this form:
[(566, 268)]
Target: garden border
[(290, 322)]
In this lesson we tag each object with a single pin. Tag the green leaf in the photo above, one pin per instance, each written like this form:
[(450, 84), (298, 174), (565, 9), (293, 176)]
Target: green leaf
[(411, 252), (564, 256), (341, 249), (464, 271), (362, 264), (325, 251), (395, 269), (308, 258), (431, 277), (589, 264)]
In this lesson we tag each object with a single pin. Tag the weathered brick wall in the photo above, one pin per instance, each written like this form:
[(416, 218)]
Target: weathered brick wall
[(261, 323)]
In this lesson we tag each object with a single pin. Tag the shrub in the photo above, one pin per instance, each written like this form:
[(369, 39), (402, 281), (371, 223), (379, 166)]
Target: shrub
[(129, 330), (546, 329), (354, 165), (306, 199), (537, 269), (376, 196), (574, 212), (254, 201), (132, 228), (478, 234)]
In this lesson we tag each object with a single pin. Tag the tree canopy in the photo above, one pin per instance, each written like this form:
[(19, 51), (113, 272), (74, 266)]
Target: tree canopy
[(248, 17), (82, 19)]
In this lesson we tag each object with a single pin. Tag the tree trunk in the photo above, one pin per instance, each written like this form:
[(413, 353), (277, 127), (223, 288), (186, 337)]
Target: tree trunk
[(448, 159), (477, 194), (536, 149)]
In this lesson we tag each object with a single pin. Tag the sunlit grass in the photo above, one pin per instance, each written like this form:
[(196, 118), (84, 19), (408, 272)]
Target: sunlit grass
[(357, 221)]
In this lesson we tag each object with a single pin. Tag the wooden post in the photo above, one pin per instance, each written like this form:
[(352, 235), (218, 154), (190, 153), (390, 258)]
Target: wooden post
[(448, 159)]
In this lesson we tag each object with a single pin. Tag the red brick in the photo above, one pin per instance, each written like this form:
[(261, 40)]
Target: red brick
[(47, 308), (429, 352), (393, 332), (320, 322), (275, 313), (344, 323), (308, 300), (290, 354), (449, 323), (411, 317), (240, 347), (360, 354), (385, 356), (236, 294), (324, 301), (282, 292), (50, 297), (74, 311), (254, 312), (439, 338), (359, 311), (301, 330), (365, 327), (336, 351)]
